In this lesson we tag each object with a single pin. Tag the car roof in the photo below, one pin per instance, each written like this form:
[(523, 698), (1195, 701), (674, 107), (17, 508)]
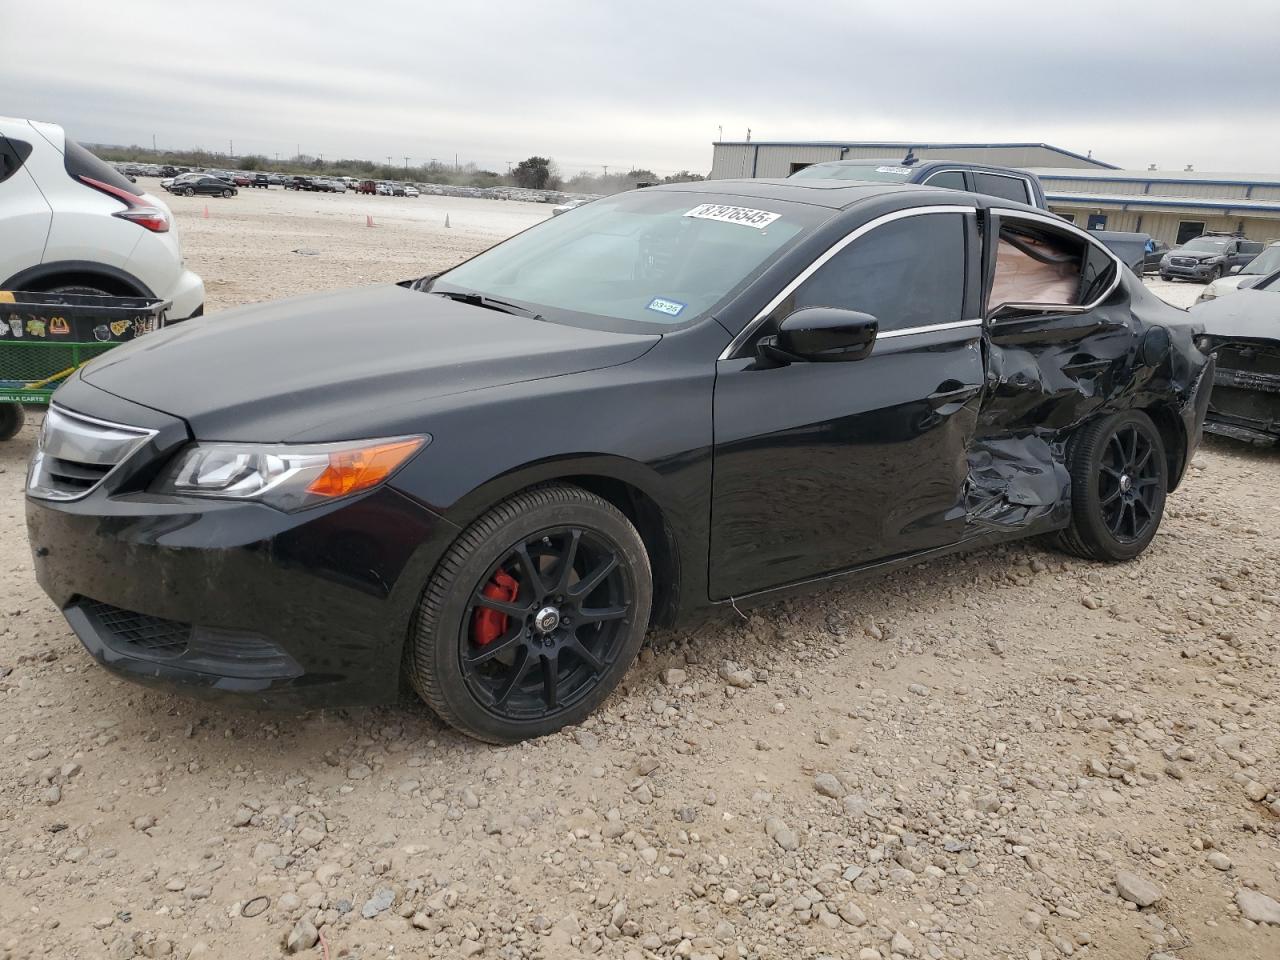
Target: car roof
[(833, 194)]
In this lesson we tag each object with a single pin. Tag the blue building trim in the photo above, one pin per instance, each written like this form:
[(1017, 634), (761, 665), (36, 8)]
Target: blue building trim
[(904, 144), (1124, 202)]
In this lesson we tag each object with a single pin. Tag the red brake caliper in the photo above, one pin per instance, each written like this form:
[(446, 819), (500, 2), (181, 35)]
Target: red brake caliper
[(491, 624)]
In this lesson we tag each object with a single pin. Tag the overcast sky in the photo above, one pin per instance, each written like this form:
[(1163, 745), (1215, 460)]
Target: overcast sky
[(649, 84)]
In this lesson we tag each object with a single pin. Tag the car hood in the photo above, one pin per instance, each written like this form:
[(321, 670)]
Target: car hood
[(1194, 254), (1230, 284), (1246, 313), (265, 373)]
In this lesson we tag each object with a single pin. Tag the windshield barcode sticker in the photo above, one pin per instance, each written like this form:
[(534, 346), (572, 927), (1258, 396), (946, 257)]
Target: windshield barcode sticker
[(744, 216), (671, 308)]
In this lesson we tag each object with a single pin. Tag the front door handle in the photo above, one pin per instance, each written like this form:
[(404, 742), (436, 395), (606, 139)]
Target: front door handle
[(952, 391)]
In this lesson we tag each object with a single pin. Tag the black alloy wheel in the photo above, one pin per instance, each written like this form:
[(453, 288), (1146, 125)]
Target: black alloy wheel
[(533, 616), (227, 194), (1129, 483), (1119, 480), (531, 655), (188, 192)]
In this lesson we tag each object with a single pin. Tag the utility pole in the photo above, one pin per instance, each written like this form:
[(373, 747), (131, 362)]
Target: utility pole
[(406, 164), (456, 166), (509, 163), (606, 168), (231, 149), (277, 156), (153, 144), (388, 160)]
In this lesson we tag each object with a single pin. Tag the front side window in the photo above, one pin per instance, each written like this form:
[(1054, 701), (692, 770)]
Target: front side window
[(949, 179), (906, 273), (995, 185)]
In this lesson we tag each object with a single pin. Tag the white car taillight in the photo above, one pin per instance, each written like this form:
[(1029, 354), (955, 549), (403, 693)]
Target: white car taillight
[(136, 210)]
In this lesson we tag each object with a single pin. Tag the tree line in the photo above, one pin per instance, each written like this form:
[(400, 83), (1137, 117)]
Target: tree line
[(534, 173)]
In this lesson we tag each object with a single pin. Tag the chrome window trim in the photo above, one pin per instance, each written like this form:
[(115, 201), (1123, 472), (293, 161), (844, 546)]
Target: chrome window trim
[(141, 436), (929, 328), (749, 330), (1007, 213)]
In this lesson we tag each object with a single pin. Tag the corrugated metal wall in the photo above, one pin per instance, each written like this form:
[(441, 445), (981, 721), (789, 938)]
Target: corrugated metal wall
[(775, 160), (1164, 226)]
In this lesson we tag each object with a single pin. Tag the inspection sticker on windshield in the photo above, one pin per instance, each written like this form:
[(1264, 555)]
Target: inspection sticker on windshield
[(671, 308), (726, 214), (900, 171)]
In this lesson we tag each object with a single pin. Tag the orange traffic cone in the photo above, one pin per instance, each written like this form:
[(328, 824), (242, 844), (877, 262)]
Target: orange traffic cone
[(368, 220), (206, 211)]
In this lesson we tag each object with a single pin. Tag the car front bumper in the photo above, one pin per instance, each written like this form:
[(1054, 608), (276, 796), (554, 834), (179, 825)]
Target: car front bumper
[(291, 609), (1200, 271), (187, 296)]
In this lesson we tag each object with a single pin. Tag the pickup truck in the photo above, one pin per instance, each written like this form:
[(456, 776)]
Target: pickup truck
[(1005, 182)]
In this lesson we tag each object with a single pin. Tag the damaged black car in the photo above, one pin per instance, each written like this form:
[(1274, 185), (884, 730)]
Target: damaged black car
[(1242, 331), (486, 485)]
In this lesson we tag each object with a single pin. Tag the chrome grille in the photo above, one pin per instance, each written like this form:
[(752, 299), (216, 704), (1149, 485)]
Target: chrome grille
[(75, 453)]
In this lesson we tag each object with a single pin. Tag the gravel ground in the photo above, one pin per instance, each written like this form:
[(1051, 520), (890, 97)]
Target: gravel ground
[(1008, 754)]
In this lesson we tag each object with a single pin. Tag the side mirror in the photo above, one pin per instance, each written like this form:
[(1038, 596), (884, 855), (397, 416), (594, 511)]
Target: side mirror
[(822, 335), (1236, 268)]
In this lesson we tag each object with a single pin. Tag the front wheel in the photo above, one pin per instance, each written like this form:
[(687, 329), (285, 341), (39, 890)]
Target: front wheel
[(1119, 479), (226, 194), (188, 192), (533, 616)]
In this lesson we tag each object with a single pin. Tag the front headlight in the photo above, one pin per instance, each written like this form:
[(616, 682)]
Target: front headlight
[(285, 477), (1204, 344)]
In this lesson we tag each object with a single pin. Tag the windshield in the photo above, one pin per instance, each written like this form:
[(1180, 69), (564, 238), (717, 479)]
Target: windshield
[(1268, 261), (874, 171), (651, 257), (1205, 245)]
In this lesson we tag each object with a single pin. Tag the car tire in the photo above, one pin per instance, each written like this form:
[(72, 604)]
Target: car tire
[(1119, 480), (12, 417), (506, 677), (1215, 275), (188, 192), (227, 194), (80, 290)]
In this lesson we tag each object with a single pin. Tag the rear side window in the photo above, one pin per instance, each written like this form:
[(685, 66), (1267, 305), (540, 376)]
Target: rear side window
[(908, 273), (13, 154), (1040, 267), (79, 162), (995, 185)]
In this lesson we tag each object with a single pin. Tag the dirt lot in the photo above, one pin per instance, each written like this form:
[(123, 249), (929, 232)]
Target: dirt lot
[(997, 755)]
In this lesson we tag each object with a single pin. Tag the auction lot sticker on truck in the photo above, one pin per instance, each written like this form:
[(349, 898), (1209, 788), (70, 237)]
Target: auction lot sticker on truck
[(740, 215)]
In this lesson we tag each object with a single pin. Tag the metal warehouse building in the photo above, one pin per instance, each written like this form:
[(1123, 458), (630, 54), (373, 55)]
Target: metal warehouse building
[(1170, 206)]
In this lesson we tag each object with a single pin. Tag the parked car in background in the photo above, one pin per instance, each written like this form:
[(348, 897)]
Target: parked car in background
[(202, 184), (412, 191), (567, 206), (301, 183), (397, 189), (1267, 262), (747, 387), (261, 180), (368, 186), (1208, 257), (1004, 182), (1243, 332), (69, 223), (1156, 249), (338, 186), (383, 189)]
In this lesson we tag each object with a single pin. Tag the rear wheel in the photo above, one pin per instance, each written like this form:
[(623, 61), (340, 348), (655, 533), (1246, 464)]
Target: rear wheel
[(1119, 479), (533, 616), (188, 192), (12, 417), (227, 194)]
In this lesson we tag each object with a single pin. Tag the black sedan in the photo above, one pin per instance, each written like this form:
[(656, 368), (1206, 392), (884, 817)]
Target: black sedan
[(189, 185), (487, 484), (1243, 332)]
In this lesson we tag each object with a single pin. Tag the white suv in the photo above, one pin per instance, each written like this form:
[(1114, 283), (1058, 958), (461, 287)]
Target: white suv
[(70, 223)]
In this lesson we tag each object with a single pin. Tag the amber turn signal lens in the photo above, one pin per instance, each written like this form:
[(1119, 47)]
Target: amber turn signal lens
[(351, 471)]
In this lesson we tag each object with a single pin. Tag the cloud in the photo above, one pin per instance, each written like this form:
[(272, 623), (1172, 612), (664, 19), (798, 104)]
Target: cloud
[(591, 83)]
